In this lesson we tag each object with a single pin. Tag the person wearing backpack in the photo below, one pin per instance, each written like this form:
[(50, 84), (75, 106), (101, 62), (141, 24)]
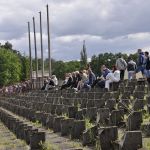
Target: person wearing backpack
[(121, 65), (147, 66), (140, 62), (131, 67)]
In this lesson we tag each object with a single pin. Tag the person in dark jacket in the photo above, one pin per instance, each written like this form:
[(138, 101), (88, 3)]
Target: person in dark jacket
[(44, 86), (140, 62), (78, 76), (131, 67), (147, 66), (74, 80), (68, 82)]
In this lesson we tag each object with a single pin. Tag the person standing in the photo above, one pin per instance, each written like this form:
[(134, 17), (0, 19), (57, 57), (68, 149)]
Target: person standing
[(140, 62), (131, 67), (121, 65), (147, 66)]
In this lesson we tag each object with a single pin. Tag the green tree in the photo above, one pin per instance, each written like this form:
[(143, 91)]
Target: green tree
[(94, 64), (59, 69), (25, 68), (10, 67), (8, 45), (83, 58), (72, 66), (134, 57)]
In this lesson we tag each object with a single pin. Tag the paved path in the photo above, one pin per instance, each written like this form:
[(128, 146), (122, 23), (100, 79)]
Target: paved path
[(62, 143)]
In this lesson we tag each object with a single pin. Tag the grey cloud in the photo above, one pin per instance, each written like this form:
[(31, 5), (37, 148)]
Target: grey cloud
[(109, 25), (120, 19)]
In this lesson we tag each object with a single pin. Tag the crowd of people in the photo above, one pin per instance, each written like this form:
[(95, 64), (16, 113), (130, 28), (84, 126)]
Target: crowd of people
[(18, 88), (86, 79)]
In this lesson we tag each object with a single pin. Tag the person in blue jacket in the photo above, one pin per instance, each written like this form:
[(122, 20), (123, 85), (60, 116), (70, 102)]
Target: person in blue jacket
[(140, 62)]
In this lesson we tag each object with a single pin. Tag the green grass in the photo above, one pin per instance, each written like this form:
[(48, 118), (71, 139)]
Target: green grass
[(146, 143), (49, 146), (120, 133), (50, 130), (76, 144), (9, 141), (146, 118)]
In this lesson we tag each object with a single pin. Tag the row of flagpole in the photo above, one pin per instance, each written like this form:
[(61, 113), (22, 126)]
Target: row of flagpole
[(35, 46)]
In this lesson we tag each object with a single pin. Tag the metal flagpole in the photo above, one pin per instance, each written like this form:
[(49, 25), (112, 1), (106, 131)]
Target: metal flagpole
[(36, 60), (49, 48), (30, 55), (42, 60)]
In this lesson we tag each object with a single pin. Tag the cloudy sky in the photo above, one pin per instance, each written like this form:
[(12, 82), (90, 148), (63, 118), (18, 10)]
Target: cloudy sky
[(105, 25)]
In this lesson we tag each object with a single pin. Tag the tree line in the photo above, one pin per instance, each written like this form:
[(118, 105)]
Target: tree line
[(14, 67)]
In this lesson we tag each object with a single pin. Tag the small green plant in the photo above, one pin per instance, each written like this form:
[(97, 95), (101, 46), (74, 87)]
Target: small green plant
[(65, 116), (92, 137), (79, 105), (130, 106), (50, 130), (37, 124), (125, 117), (146, 118), (131, 97), (88, 124)]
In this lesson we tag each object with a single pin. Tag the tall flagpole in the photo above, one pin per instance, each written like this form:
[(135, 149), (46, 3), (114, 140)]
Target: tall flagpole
[(36, 60), (42, 60), (30, 55), (49, 48)]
